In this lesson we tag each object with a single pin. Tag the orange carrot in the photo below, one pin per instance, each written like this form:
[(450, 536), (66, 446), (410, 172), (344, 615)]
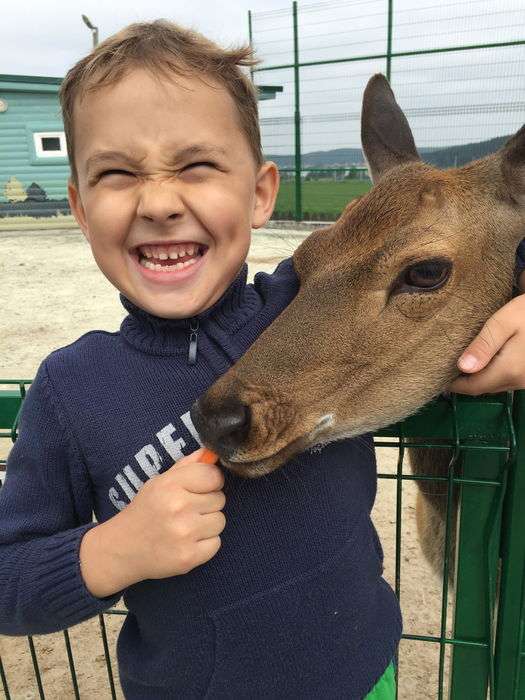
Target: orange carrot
[(208, 457)]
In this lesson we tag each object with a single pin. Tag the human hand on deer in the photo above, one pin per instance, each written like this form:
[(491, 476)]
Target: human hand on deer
[(172, 525), (495, 360)]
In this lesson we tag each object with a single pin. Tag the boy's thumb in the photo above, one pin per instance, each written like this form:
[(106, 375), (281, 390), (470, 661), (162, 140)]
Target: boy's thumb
[(485, 345), (203, 455)]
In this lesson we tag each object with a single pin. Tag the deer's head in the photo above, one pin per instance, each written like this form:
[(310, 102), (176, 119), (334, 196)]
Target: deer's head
[(390, 295)]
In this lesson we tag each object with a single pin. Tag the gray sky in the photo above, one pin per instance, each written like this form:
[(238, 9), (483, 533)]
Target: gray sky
[(450, 98), (45, 37)]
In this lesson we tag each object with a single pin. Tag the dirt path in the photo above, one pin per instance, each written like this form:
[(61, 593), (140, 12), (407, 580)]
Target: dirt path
[(51, 293)]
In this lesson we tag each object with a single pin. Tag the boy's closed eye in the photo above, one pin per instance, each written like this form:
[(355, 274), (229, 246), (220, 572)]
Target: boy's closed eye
[(114, 172), (104, 174), (118, 171), (203, 163), (202, 167)]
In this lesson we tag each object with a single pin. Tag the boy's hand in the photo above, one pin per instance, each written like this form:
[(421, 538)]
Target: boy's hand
[(495, 360), (171, 526)]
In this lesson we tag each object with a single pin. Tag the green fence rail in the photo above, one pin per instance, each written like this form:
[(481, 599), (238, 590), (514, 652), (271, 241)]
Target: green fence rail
[(485, 438), (457, 68)]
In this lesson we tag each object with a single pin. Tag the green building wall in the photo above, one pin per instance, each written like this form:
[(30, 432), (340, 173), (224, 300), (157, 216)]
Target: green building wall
[(30, 105), (33, 189)]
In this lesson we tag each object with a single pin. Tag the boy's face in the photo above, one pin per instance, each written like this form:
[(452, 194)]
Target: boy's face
[(164, 163)]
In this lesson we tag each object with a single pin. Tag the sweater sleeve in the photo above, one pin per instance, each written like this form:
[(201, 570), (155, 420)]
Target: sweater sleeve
[(45, 509), (282, 282), (520, 257)]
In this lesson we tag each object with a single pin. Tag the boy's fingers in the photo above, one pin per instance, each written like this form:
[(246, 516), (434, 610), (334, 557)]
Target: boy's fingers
[(201, 478), (504, 373), (475, 384), (203, 455), (211, 525), (211, 502), (197, 472), (194, 456), (206, 549), (486, 344)]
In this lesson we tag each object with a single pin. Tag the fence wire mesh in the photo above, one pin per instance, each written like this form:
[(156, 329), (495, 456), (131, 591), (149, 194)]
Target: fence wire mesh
[(457, 69), (478, 633)]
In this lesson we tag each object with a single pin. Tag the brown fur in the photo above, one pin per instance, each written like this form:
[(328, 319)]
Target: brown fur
[(348, 345), (431, 507)]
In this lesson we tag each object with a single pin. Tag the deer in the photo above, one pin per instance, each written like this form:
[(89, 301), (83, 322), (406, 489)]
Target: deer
[(389, 297)]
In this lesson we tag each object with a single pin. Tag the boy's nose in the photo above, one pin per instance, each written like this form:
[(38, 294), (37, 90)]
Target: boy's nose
[(159, 202), (223, 427)]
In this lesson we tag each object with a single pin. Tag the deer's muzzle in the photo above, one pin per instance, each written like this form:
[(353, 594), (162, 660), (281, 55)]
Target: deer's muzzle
[(223, 426)]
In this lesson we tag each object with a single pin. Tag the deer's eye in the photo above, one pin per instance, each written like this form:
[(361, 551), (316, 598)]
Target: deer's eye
[(425, 276)]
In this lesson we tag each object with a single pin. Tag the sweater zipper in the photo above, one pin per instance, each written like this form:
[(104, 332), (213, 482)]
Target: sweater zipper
[(194, 327)]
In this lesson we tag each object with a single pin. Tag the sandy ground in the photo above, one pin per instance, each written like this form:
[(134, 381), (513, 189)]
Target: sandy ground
[(51, 292)]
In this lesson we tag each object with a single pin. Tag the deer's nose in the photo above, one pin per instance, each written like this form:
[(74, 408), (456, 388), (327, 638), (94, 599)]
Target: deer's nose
[(224, 426)]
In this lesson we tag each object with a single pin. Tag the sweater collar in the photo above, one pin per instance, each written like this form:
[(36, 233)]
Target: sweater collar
[(167, 336)]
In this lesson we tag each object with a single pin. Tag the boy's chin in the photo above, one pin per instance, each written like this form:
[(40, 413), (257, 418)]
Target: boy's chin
[(172, 307), (173, 310), (185, 298)]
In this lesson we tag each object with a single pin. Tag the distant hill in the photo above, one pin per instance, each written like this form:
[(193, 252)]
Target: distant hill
[(321, 159), (451, 156), (454, 156)]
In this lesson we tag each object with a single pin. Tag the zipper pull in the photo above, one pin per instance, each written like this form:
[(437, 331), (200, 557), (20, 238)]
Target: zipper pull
[(194, 327)]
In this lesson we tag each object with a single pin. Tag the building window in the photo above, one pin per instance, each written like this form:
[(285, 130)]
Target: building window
[(50, 144)]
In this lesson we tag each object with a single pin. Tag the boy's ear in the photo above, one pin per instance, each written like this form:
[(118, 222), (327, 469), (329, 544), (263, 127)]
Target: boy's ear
[(266, 188), (76, 207)]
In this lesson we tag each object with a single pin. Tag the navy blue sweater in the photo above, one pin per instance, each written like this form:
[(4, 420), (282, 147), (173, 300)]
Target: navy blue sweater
[(520, 257), (292, 606)]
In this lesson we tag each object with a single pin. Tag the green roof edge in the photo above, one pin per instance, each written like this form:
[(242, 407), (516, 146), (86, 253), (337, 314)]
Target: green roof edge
[(30, 79)]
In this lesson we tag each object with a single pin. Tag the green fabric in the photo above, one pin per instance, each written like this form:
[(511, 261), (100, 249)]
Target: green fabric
[(385, 688)]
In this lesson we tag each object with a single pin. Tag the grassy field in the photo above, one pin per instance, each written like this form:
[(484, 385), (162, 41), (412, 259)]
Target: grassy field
[(322, 199)]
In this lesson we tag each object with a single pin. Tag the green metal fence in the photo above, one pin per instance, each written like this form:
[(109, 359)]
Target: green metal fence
[(457, 68), (485, 611)]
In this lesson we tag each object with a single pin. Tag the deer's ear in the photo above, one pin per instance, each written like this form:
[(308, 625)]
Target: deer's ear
[(513, 166), (385, 134)]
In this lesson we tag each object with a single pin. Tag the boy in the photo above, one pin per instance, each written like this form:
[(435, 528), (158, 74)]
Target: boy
[(282, 595)]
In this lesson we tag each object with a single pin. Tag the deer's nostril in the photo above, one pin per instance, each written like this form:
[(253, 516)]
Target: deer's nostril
[(231, 423), (223, 427)]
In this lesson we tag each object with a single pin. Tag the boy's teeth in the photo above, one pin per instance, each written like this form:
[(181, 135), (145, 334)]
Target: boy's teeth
[(171, 252), (166, 268)]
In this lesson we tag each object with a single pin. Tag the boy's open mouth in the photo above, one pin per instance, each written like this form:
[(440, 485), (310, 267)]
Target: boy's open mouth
[(170, 256)]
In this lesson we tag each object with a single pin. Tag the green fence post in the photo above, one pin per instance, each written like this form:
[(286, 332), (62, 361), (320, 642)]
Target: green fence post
[(389, 39), (509, 672), (250, 37), (396, 54), (4, 681), (478, 549), (297, 119)]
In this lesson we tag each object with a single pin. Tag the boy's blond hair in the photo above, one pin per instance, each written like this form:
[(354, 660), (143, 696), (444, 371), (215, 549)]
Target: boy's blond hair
[(165, 49)]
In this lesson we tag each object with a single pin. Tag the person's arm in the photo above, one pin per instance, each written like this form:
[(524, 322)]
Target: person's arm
[(45, 510), (495, 360), (172, 525)]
